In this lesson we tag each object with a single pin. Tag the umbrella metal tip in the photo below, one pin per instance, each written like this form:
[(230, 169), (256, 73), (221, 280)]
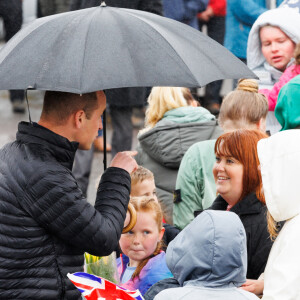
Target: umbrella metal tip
[(103, 4)]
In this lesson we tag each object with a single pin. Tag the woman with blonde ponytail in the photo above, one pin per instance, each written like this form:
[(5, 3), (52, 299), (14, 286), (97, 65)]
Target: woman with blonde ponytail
[(171, 127)]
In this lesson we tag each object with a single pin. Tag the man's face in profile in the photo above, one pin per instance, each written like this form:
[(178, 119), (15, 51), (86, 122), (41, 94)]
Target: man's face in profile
[(93, 124)]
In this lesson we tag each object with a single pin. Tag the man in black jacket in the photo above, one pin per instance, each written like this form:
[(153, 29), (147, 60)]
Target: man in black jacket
[(46, 224)]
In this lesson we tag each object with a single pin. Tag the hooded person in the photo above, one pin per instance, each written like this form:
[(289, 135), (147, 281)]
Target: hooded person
[(287, 110), (209, 259), (279, 161), (271, 46), (287, 20)]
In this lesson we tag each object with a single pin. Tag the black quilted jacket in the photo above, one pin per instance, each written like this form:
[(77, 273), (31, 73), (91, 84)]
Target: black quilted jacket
[(45, 222)]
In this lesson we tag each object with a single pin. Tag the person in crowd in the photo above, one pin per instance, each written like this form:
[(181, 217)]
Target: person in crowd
[(195, 187), (12, 14), (279, 162), (143, 262), (143, 185), (171, 128), (239, 189), (46, 222), (270, 50), (47, 8), (214, 19), (289, 73), (184, 11), (287, 110), (240, 16), (209, 259)]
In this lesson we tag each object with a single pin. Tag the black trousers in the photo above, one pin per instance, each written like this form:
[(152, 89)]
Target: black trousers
[(122, 129), (12, 15), (215, 30)]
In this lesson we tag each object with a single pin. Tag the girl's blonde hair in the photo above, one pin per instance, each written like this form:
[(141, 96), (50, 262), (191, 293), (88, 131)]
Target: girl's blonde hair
[(272, 226), (149, 205), (161, 100), (244, 105)]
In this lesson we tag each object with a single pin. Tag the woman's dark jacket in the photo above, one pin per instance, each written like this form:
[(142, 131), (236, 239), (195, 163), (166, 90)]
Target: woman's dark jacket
[(253, 215), (45, 222)]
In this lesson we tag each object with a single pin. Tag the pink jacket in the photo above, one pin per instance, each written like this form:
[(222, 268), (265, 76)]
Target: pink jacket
[(272, 94)]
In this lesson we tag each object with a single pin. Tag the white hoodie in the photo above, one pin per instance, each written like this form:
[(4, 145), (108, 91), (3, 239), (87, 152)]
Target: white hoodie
[(279, 157), (288, 20)]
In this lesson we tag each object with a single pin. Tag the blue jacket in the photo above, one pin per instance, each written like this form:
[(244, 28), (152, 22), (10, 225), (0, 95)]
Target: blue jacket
[(155, 270), (184, 10), (240, 17)]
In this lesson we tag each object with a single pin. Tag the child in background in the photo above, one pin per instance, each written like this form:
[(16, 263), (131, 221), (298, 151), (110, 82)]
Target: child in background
[(143, 184), (143, 263), (288, 74)]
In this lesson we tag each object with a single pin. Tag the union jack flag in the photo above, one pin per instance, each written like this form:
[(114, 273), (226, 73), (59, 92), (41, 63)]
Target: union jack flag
[(96, 288)]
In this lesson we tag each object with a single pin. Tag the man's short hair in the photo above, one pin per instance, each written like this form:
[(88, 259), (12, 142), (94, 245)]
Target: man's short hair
[(59, 106)]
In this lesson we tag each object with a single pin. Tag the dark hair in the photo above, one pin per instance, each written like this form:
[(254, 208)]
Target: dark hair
[(242, 145), (60, 105)]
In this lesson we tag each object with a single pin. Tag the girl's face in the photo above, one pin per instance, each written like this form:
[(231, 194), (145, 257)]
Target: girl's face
[(228, 174), (141, 241), (276, 46)]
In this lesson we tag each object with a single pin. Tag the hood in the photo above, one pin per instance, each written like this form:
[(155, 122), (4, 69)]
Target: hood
[(287, 19), (210, 252), (180, 128), (280, 165), (287, 110)]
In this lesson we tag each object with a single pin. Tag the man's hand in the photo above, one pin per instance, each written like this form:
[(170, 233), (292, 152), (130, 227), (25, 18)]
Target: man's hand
[(125, 161), (254, 286)]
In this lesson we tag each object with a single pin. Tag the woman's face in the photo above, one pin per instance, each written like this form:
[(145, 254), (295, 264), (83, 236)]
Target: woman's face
[(228, 174), (276, 46)]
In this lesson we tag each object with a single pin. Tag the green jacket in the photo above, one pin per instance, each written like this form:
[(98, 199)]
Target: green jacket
[(287, 110), (195, 185)]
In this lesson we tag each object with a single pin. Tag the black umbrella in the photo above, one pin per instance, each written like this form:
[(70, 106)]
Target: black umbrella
[(104, 47)]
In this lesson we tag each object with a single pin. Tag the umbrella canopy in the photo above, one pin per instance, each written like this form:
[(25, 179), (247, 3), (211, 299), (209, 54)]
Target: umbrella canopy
[(104, 47)]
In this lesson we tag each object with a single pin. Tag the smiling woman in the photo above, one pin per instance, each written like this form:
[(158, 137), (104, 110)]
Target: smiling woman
[(238, 184)]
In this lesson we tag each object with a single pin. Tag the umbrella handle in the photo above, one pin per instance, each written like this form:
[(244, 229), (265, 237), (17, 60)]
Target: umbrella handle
[(133, 216)]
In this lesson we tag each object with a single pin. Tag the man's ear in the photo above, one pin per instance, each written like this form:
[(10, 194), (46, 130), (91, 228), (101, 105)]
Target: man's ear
[(79, 119)]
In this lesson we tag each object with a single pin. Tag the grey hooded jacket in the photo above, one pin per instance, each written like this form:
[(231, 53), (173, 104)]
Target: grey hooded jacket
[(209, 259), (161, 148)]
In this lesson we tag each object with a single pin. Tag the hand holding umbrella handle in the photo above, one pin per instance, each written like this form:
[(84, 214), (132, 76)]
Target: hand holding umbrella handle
[(132, 222)]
